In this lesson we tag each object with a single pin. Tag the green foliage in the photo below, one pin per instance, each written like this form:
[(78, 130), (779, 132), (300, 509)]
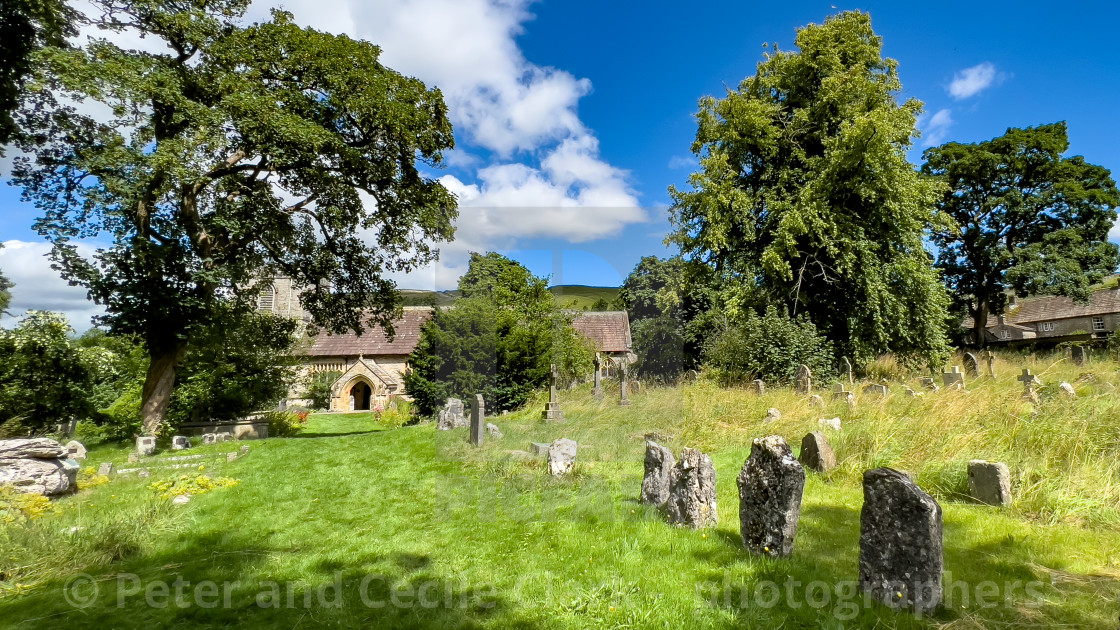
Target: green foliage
[(659, 344), (1023, 217), (805, 197), (44, 376), (319, 389), (235, 152), (499, 340), (26, 26), (5, 291), (770, 347), (286, 423)]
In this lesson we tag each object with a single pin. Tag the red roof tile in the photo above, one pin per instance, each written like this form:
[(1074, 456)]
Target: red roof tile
[(609, 330), (374, 341)]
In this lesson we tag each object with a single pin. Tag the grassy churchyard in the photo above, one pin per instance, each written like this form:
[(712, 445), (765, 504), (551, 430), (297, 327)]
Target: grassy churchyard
[(355, 525)]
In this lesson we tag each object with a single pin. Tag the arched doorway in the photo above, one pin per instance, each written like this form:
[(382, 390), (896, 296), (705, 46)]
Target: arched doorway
[(361, 394)]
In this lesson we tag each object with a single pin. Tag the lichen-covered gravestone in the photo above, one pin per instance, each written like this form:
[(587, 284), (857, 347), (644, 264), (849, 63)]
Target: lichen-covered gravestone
[(75, 450), (816, 453), (692, 491), (989, 482), (145, 445), (900, 542), (971, 365), (180, 443), (658, 469), (803, 380), (452, 416), (770, 488), (561, 457), (478, 420)]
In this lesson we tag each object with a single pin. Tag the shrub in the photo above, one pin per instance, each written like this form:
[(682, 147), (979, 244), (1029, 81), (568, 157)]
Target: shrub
[(286, 423), (319, 389), (659, 344), (769, 347)]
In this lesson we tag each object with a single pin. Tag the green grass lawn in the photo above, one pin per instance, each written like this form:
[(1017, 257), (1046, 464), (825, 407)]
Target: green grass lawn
[(353, 526)]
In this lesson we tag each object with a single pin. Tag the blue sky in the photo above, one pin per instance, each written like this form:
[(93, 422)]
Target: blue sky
[(573, 118)]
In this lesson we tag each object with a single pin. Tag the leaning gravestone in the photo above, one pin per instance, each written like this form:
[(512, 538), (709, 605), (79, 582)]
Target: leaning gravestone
[(75, 450), (452, 416), (770, 488), (692, 491), (846, 370), (1080, 355), (803, 380), (900, 542), (929, 384), (758, 386), (478, 420), (658, 468), (37, 466), (971, 365), (989, 482), (561, 457), (145, 445), (816, 453)]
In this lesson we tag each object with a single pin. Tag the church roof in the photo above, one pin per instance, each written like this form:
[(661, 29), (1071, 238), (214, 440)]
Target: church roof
[(608, 330), (374, 342)]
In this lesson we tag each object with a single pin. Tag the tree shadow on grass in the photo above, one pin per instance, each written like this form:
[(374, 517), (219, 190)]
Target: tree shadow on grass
[(330, 435)]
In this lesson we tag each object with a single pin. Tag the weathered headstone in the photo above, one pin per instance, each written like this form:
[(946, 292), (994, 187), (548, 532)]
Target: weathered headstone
[(971, 365), (846, 370), (758, 386), (840, 392), (1029, 381), (816, 453), (180, 442), (561, 457), (452, 415), (770, 487), (692, 376), (953, 378), (1067, 389), (75, 450), (478, 420), (803, 380), (623, 396), (911, 393), (105, 469), (877, 390), (990, 359), (552, 408), (493, 431), (830, 423), (816, 401), (133, 457), (209, 438), (692, 491), (145, 445), (598, 376), (900, 542), (224, 436), (772, 414), (1080, 355), (659, 464), (929, 384), (231, 456), (989, 482), (37, 466)]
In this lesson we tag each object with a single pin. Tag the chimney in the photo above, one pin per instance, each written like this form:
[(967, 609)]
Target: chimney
[(1002, 320)]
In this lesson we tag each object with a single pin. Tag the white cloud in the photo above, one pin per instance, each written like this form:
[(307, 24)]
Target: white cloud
[(38, 287), (936, 129), (972, 81), (683, 162)]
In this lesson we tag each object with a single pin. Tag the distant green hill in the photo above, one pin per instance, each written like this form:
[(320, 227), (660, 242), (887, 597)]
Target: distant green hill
[(575, 296)]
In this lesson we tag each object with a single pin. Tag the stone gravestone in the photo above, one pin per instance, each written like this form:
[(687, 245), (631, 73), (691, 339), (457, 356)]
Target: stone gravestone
[(770, 487), (623, 397), (953, 378), (658, 468), (816, 401), (452, 415), (816, 453), (1030, 381), (929, 384), (989, 482), (493, 431), (598, 376), (561, 457), (990, 359), (877, 390), (758, 387), (900, 542), (846, 370), (803, 380), (971, 365), (180, 442), (145, 445), (75, 450), (839, 392), (552, 408), (1080, 355), (105, 469), (692, 491), (478, 420), (209, 438)]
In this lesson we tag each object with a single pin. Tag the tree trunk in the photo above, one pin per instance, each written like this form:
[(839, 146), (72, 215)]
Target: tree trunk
[(158, 386), (979, 323)]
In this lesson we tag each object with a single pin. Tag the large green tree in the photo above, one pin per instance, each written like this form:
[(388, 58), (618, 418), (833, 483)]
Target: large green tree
[(26, 26), (1025, 218), (5, 290), (805, 197), (238, 152)]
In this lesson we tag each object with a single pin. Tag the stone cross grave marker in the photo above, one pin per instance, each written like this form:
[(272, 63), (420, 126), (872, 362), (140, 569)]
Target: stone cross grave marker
[(552, 408), (846, 369), (803, 381), (953, 378), (623, 397), (1030, 381), (990, 359), (478, 420), (770, 488), (971, 365), (598, 377)]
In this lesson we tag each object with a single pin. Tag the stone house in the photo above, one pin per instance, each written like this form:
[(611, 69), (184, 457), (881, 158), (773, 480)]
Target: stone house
[(1053, 319), (371, 368)]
